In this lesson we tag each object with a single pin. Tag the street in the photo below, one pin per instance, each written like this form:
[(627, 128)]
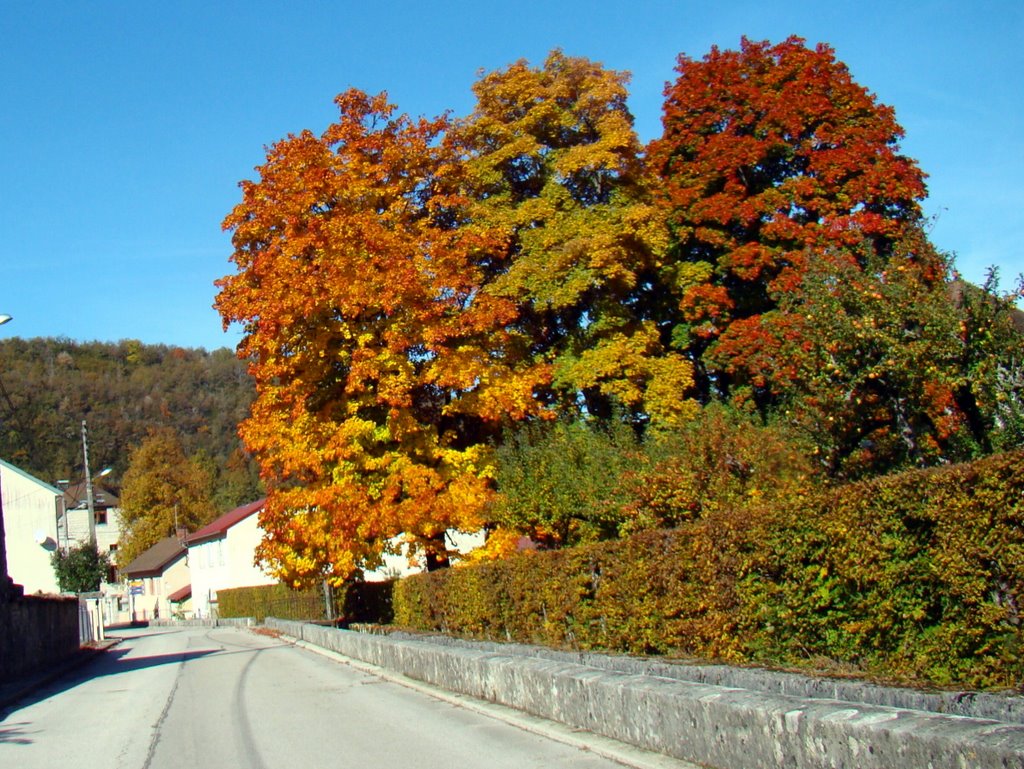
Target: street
[(222, 697)]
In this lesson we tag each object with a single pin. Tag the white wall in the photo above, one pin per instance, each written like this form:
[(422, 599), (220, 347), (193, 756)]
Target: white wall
[(107, 534), (153, 601), (225, 562), (30, 526), (400, 565)]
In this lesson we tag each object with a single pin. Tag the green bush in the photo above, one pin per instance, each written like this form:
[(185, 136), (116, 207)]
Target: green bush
[(356, 602), (81, 569), (265, 601), (559, 481), (917, 577)]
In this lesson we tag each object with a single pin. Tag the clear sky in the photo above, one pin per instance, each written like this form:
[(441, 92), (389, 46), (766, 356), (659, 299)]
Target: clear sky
[(126, 126)]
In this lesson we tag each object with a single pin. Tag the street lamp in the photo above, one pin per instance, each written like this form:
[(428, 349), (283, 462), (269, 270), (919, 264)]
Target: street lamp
[(6, 583)]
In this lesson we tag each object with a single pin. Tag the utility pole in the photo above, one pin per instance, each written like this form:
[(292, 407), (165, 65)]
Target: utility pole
[(90, 503), (7, 587)]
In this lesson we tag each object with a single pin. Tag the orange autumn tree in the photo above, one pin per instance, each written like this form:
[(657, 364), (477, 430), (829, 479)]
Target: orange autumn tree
[(382, 369), (553, 167)]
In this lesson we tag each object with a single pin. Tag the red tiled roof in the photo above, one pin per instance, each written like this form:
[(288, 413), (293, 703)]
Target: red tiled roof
[(219, 527), (180, 594)]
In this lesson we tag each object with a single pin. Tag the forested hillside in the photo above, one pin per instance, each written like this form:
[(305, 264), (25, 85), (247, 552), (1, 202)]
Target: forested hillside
[(123, 391)]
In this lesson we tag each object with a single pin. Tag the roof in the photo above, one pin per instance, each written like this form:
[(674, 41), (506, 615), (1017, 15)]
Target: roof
[(75, 496), (180, 594), (219, 528), (155, 560), (23, 474)]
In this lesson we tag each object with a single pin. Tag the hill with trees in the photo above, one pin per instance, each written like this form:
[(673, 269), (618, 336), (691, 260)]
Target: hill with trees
[(124, 391)]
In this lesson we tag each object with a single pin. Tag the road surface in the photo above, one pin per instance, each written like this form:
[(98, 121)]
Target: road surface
[(167, 698)]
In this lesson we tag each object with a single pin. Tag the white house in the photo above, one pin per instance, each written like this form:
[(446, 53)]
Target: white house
[(31, 511), (74, 527), (398, 564), (159, 580), (221, 555)]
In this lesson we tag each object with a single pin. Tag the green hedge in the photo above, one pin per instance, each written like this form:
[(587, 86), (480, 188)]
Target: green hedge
[(917, 577), (271, 601), (356, 602)]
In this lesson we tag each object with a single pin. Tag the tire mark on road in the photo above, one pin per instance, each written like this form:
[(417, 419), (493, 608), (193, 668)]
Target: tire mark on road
[(158, 726), (243, 726)]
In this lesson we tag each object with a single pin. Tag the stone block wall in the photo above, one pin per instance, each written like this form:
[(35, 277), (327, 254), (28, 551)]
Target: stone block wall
[(36, 632)]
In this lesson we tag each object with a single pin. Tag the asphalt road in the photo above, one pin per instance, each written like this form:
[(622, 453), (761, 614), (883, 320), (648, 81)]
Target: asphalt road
[(223, 698)]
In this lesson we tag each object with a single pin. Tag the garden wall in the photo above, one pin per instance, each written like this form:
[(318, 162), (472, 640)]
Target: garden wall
[(36, 632)]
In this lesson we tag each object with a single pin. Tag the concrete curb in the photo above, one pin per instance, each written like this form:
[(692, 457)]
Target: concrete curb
[(722, 726), (996, 707)]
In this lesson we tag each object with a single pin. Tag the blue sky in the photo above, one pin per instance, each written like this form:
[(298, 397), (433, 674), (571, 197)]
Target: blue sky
[(126, 126)]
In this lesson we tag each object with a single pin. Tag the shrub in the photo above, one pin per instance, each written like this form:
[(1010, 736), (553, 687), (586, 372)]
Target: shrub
[(81, 569), (355, 602), (917, 577), (559, 481), (264, 601)]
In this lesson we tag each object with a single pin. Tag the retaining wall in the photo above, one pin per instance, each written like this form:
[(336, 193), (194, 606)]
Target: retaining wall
[(724, 725), (36, 632)]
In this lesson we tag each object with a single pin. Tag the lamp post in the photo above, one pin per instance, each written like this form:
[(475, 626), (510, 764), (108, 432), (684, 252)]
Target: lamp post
[(6, 583)]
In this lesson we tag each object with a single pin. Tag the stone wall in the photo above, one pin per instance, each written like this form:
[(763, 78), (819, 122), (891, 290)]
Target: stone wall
[(36, 632), (733, 724)]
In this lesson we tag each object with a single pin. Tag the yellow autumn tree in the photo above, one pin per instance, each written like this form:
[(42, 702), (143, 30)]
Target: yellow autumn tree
[(163, 490), (554, 168)]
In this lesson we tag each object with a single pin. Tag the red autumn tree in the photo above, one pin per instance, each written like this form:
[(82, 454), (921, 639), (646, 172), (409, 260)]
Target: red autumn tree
[(771, 156)]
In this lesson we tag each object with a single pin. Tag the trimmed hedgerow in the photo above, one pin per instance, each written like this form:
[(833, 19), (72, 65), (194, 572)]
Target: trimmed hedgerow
[(355, 602), (264, 601), (917, 577)]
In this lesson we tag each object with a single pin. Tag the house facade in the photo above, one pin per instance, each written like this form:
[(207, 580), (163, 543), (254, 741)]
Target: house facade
[(32, 510), (74, 526), (221, 555), (158, 581), (398, 564)]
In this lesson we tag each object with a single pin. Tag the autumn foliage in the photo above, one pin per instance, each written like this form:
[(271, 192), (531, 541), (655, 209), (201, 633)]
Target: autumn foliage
[(420, 297), (772, 159), (163, 491), (380, 366)]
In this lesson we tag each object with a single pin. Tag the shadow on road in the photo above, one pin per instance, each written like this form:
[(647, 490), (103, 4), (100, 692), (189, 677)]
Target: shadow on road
[(14, 734), (108, 663)]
